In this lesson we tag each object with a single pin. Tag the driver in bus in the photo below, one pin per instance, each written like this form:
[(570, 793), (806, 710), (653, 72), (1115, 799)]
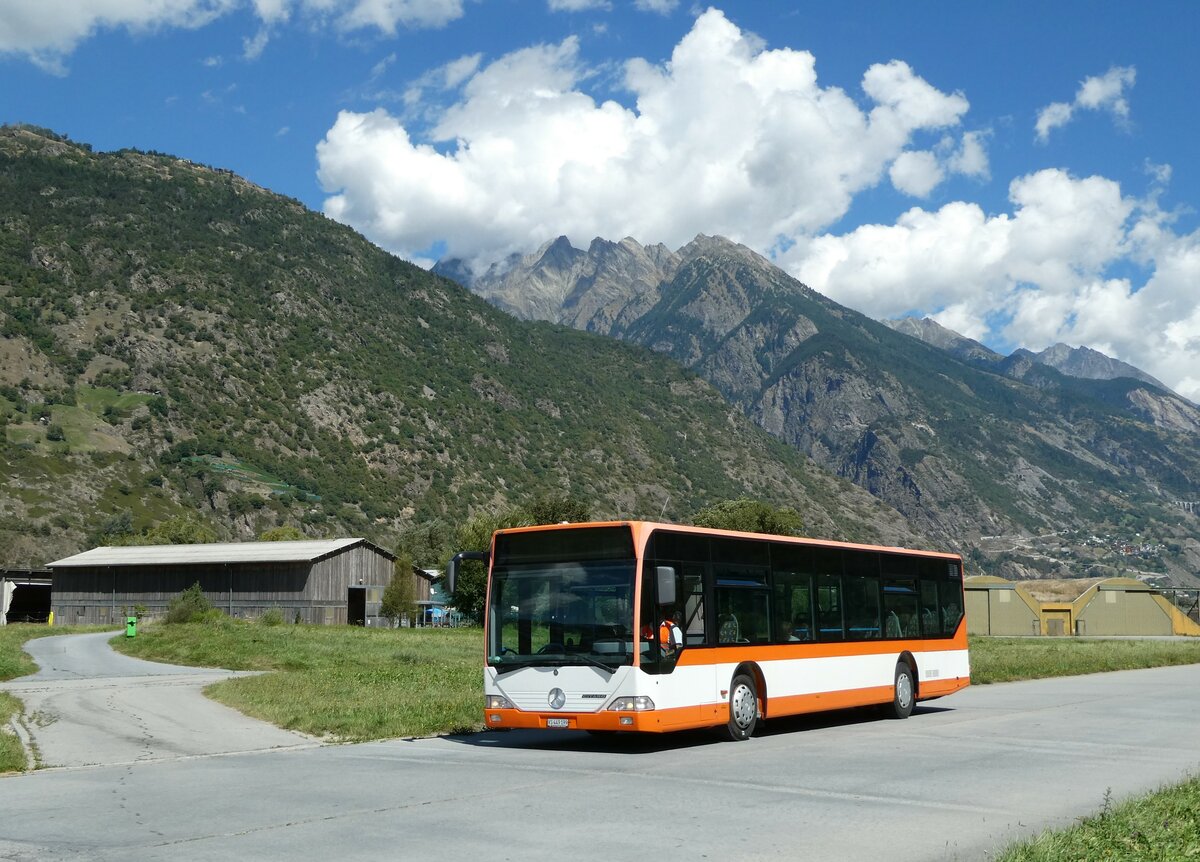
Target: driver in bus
[(670, 635)]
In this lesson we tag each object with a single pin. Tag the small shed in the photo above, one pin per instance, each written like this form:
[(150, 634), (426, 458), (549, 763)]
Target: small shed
[(329, 581)]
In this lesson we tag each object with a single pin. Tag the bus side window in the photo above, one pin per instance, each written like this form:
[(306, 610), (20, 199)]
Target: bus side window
[(900, 609), (743, 614), (793, 607), (829, 608), (930, 624)]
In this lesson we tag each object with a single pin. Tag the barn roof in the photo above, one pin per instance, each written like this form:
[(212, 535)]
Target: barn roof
[(305, 551)]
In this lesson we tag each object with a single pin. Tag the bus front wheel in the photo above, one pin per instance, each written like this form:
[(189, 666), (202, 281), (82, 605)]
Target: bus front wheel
[(903, 692), (743, 708)]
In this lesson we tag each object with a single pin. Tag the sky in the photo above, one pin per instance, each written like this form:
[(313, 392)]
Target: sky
[(1025, 173)]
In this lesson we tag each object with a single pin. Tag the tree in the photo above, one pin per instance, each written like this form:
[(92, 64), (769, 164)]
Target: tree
[(116, 529), (556, 508), (399, 599), (184, 530), (189, 606), (750, 516), (476, 535), (281, 534), (428, 544)]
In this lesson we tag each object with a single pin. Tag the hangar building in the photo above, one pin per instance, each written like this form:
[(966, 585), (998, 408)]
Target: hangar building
[(1108, 607), (331, 581)]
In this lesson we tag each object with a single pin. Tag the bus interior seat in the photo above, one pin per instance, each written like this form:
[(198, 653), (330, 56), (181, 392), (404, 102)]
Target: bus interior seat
[(892, 628), (729, 632)]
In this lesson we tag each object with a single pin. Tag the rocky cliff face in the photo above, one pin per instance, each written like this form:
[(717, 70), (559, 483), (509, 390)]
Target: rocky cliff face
[(965, 443)]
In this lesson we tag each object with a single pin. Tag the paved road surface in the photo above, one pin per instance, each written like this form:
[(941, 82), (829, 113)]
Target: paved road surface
[(961, 778), (88, 705)]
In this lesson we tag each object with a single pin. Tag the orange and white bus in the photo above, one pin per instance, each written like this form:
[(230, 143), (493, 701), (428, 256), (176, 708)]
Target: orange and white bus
[(635, 626)]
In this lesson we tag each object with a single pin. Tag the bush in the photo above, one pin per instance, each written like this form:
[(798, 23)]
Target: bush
[(189, 606), (272, 617)]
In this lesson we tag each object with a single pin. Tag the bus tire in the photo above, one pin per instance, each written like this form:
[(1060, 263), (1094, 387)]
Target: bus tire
[(903, 692), (743, 708)]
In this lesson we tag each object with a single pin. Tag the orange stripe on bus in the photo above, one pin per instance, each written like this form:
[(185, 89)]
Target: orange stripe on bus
[(733, 654)]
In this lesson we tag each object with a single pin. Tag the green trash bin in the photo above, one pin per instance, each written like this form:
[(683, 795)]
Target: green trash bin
[(130, 627)]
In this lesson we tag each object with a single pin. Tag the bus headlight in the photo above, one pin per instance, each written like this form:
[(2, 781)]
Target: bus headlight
[(498, 701), (641, 703)]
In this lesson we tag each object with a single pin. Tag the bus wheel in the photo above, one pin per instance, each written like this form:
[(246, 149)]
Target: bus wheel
[(743, 708), (903, 692)]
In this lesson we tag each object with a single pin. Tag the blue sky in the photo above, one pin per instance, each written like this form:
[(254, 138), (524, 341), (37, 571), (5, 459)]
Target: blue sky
[(1024, 172)]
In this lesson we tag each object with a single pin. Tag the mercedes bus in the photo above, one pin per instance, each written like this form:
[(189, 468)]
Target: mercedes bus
[(635, 626)]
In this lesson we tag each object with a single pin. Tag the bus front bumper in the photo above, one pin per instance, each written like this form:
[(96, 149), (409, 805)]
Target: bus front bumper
[(607, 720)]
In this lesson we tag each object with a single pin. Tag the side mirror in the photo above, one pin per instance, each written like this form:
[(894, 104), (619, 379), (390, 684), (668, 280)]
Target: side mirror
[(666, 584), (452, 567)]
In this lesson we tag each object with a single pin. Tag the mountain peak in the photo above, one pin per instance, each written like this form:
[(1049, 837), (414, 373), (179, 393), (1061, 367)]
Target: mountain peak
[(931, 332), (704, 245), (1092, 364)]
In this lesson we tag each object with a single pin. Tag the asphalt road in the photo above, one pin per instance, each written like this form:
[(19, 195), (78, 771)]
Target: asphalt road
[(963, 777), (88, 705)]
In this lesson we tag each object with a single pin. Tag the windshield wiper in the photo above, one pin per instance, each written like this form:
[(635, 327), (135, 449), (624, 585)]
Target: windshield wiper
[(594, 662), (506, 665)]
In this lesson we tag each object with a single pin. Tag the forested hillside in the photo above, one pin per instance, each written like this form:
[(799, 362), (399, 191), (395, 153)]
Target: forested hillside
[(179, 342)]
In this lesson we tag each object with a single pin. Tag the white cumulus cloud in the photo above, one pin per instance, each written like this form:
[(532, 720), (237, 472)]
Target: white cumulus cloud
[(725, 137), (1105, 92), (916, 174), (47, 31)]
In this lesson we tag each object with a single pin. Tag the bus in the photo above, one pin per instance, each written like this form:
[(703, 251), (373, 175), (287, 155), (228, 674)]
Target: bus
[(637, 626)]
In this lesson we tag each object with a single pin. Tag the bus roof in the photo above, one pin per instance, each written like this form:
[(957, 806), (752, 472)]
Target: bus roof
[(642, 529)]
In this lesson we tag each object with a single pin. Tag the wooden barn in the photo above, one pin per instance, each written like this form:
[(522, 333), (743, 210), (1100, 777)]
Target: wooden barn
[(331, 582)]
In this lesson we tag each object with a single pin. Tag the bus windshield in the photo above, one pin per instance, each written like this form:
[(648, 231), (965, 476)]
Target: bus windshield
[(562, 597)]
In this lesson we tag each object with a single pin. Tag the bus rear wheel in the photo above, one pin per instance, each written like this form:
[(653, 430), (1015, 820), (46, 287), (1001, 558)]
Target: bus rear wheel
[(743, 708), (903, 692)]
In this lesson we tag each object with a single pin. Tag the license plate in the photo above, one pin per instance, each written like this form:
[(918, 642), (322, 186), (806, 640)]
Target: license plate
[(558, 722)]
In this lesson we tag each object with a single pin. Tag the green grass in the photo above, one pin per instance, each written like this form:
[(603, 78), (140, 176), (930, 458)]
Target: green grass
[(1162, 826), (346, 683), (96, 398), (1010, 659), (12, 753)]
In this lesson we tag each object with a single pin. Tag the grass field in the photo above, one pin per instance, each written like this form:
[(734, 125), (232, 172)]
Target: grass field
[(1162, 826), (12, 753), (345, 683), (1010, 659)]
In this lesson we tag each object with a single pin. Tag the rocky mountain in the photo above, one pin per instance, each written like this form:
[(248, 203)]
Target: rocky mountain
[(980, 451), (932, 332), (1072, 361), (1092, 364), (175, 341)]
